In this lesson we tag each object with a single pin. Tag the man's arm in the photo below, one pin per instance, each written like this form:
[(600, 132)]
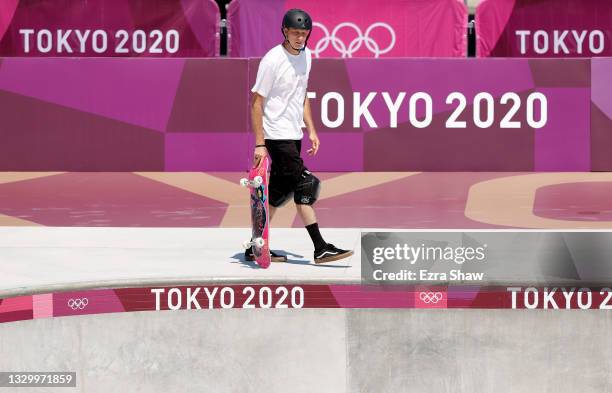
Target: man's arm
[(312, 132), (257, 125)]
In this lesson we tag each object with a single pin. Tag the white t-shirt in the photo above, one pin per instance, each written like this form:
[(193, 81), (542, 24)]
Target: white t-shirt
[(282, 78)]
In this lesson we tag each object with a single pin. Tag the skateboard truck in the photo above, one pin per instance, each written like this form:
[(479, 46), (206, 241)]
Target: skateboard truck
[(256, 182), (257, 242)]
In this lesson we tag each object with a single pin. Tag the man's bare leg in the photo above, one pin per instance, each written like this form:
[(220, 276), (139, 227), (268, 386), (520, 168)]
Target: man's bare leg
[(307, 214)]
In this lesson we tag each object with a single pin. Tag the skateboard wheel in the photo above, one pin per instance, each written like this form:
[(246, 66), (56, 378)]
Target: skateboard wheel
[(246, 245), (259, 242), (244, 182), (257, 181)]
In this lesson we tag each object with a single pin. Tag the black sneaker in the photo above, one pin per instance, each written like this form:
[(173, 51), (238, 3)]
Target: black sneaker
[(330, 253), (274, 257)]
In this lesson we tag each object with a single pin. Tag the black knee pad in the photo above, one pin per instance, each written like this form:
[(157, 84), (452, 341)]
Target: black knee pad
[(277, 198), (307, 189)]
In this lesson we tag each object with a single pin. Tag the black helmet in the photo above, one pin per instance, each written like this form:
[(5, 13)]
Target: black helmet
[(297, 19)]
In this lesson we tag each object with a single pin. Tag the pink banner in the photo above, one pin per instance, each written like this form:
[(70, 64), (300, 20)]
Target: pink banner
[(93, 114), (359, 28), (312, 296), (544, 28), (99, 28)]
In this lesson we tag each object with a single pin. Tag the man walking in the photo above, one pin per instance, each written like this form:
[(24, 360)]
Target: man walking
[(279, 111)]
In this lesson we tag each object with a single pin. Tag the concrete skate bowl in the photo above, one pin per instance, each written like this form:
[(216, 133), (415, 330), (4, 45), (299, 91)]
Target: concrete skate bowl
[(325, 346)]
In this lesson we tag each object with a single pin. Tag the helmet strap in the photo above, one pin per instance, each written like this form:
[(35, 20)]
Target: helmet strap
[(306, 41), (289, 42)]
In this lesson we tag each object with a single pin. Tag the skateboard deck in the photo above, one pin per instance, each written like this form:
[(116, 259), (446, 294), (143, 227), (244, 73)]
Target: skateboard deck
[(257, 184)]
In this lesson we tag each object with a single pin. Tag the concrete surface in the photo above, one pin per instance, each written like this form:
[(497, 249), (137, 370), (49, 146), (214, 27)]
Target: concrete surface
[(45, 259), (319, 350)]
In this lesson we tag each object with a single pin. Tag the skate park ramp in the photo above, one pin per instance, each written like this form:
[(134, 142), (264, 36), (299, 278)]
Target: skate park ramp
[(279, 350), (327, 348), (332, 350)]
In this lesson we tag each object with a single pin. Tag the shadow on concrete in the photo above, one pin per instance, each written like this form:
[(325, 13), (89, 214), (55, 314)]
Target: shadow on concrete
[(294, 259)]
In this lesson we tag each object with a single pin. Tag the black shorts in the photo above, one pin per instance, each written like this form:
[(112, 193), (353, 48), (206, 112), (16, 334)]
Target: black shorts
[(287, 168)]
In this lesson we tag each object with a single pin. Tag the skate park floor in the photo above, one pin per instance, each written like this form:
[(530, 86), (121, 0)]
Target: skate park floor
[(62, 231), (86, 229), (347, 200), (47, 259)]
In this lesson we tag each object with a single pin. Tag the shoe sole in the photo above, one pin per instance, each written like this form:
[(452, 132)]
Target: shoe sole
[(334, 258)]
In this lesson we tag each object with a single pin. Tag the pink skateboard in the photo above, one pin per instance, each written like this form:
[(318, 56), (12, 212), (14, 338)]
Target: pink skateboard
[(260, 216)]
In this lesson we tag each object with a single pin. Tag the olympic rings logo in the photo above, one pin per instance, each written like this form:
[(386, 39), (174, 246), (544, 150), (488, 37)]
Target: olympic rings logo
[(430, 297), (355, 45), (78, 304)]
